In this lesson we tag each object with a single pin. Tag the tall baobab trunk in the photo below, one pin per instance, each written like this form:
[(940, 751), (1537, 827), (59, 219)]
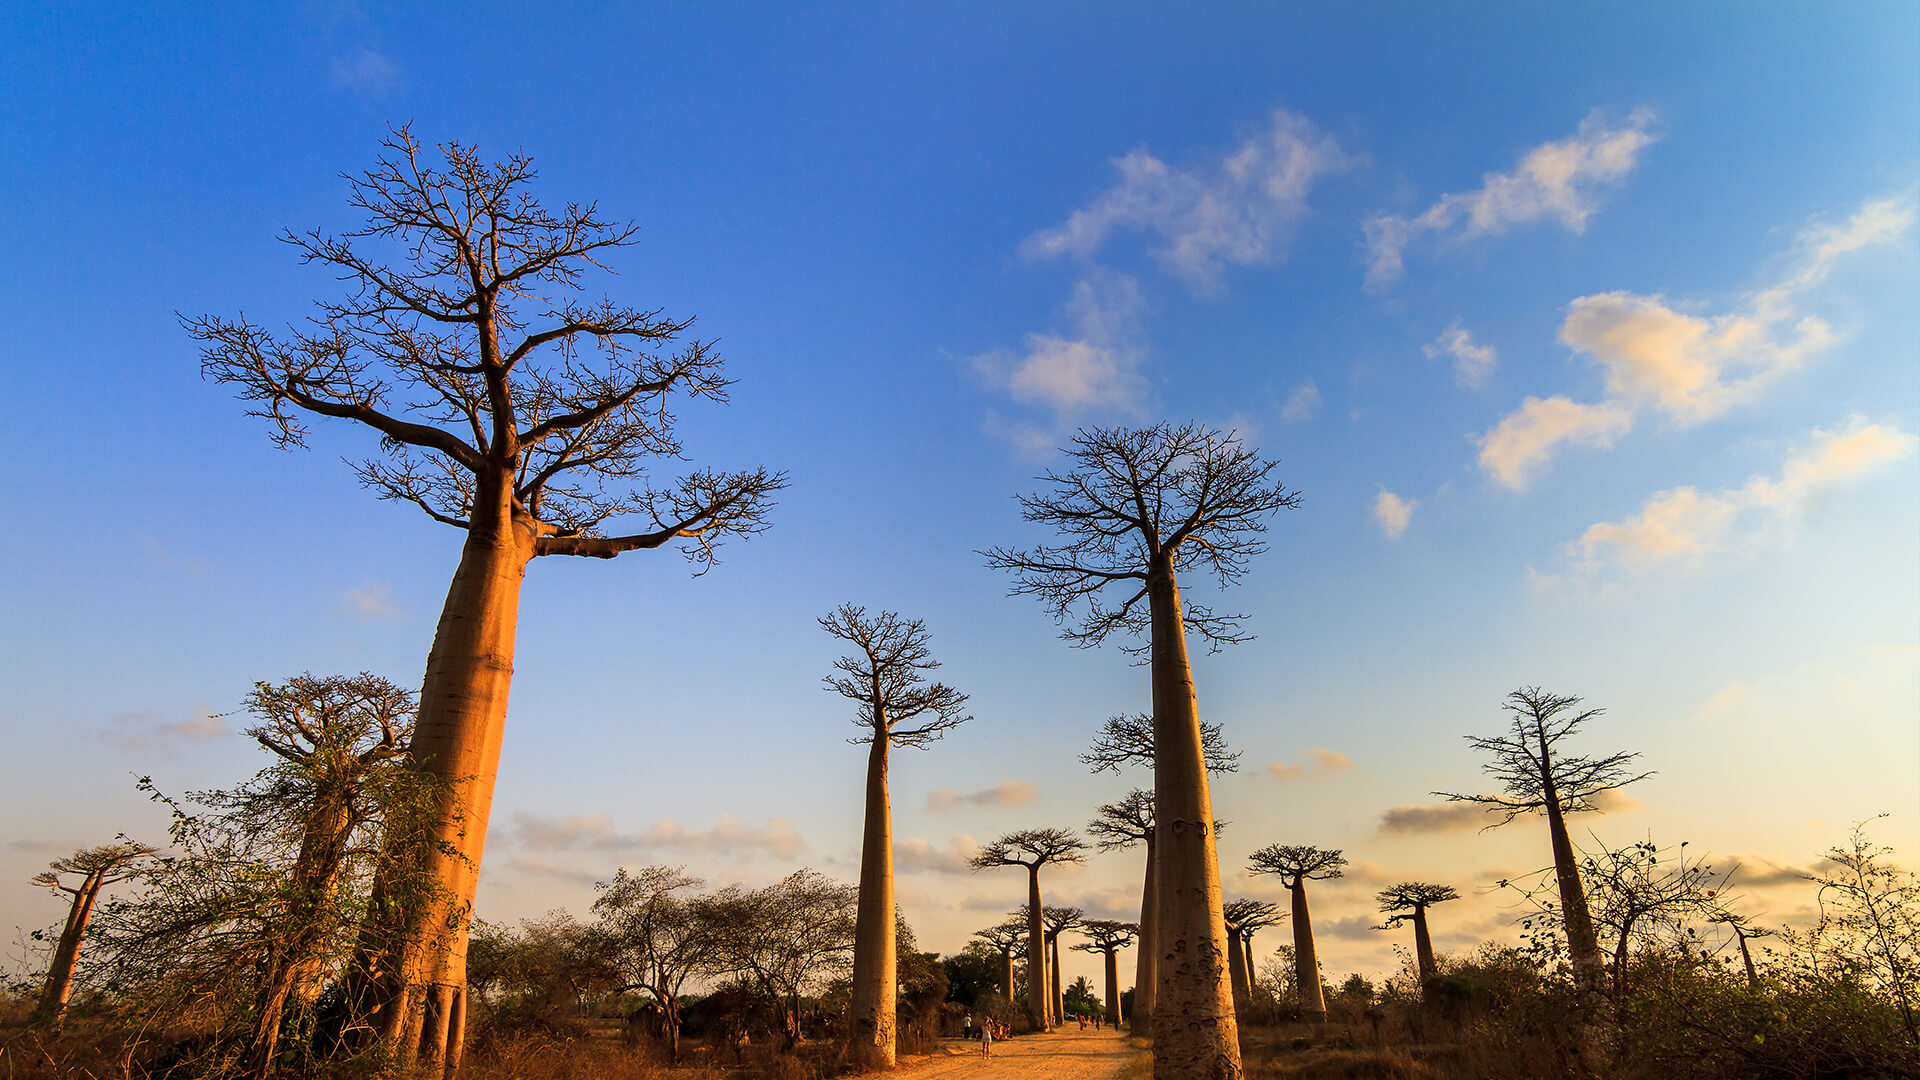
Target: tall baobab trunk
[(1006, 975), (1306, 964), (1146, 972), (1583, 942), (421, 1000), (66, 955), (1113, 987), (1055, 1000), (875, 974), (1423, 946), (1246, 960), (1746, 957), (1195, 1036), (1037, 1010), (1237, 969)]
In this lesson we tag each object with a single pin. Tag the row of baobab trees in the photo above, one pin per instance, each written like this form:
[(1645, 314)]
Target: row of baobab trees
[(508, 408)]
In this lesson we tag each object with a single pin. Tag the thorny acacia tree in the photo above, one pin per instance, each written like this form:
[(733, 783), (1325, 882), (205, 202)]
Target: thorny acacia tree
[(658, 937), (784, 939), (1058, 920), (506, 408), (1296, 865), (1033, 849), (1242, 918), (1137, 509), (897, 707), (1408, 902), (1536, 775), (98, 868), (1107, 937)]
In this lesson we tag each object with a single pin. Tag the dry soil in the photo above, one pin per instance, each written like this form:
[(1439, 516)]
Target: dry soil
[(1067, 1054)]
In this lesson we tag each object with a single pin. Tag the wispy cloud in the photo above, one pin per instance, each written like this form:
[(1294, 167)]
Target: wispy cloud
[(1303, 403), (1095, 367), (1686, 367), (1004, 795), (596, 832), (1435, 817), (373, 602), (1560, 181), (365, 71), (1473, 363), (1393, 513), (1683, 525), (955, 857), (1319, 762), (145, 732), (1231, 209)]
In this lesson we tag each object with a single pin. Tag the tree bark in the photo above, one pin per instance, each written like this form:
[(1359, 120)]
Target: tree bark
[(1746, 957), (1423, 946), (1146, 971), (1195, 1036), (1583, 942), (875, 972), (1006, 975), (1113, 987), (66, 956), (1036, 955), (1306, 965), (1055, 1000), (1237, 970)]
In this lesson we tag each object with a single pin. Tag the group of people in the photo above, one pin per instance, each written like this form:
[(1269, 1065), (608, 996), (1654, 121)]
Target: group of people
[(989, 1029)]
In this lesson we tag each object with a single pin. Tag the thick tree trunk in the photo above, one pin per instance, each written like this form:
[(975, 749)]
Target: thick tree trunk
[(1237, 970), (1583, 942), (1306, 965), (1055, 1000), (1423, 946), (1006, 975), (1036, 955), (871, 1039), (1146, 972), (417, 948), (66, 955), (1195, 1036), (1253, 976), (1113, 987)]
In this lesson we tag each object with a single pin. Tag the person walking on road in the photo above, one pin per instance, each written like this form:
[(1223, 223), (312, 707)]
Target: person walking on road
[(986, 1040)]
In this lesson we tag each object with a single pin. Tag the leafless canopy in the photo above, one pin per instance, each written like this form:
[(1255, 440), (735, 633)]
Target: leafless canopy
[(885, 678), (1249, 915), (1402, 900), (1189, 495), (1007, 936), (462, 342), (1107, 935), (1294, 863), (1031, 848), (1125, 740), (97, 865), (1527, 762), (1125, 823), (1058, 920)]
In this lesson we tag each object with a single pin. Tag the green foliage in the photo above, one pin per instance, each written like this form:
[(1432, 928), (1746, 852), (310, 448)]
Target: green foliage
[(972, 973)]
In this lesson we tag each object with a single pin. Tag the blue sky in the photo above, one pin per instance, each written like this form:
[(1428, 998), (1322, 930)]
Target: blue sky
[(1588, 337)]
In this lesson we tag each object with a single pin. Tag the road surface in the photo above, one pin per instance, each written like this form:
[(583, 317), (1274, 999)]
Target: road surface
[(1066, 1054)]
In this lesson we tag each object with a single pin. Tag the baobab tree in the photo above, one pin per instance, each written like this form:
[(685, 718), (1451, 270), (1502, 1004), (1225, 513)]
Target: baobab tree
[(1744, 931), (1006, 937), (1107, 937), (506, 408), (1128, 740), (98, 868), (1241, 917), (1408, 902), (1058, 920), (1250, 925), (1296, 865), (1121, 825), (1137, 509), (1033, 849), (1535, 775), (897, 707)]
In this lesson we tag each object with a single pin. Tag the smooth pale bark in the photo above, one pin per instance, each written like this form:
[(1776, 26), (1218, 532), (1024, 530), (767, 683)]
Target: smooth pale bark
[(1423, 944), (419, 1001), (1306, 964), (875, 973), (1006, 975), (1037, 1010), (1246, 959), (1113, 987), (1055, 1000), (1237, 970), (1583, 942), (66, 955), (1146, 973), (1195, 1036)]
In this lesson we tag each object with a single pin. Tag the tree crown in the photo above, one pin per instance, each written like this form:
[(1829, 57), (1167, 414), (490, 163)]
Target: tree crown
[(1401, 901), (885, 678), (1031, 848), (1058, 920), (1125, 823), (1295, 863), (1107, 935), (1531, 770), (1249, 915)]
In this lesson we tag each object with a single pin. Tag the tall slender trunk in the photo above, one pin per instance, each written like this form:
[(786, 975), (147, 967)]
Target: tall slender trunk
[(1583, 942), (1113, 987), (1306, 964), (1746, 957), (1036, 955), (416, 950), (1237, 970), (1146, 970), (1423, 946), (66, 955), (1195, 1036), (1006, 974), (1253, 976), (871, 1039), (1055, 1000)]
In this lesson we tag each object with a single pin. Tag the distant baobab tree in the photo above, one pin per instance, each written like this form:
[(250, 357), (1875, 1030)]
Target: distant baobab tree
[(1006, 937), (1408, 902), (1136, 509), (1058, 920), (1033, 849), (897, 707), (1107, 937), (1743, 931), (1242, 918), (1296, 865), (98, 868), (505, 408), (1536, 776)]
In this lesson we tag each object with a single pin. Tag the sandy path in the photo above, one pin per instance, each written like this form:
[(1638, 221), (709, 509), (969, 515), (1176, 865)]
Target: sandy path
[(1067, 1054)]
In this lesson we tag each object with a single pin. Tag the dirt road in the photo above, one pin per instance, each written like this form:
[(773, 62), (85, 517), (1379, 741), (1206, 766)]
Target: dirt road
[(1067, 1054)]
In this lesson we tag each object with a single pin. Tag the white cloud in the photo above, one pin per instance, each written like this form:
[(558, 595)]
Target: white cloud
[(373, 602), (1686, 367), (1684, 524), (1234, 209), (1559, 181), (1393, 513), (1472, 363), (596, 832), (1302, 403), (366, 71), (1097, 368), (956, 857), (1004, 795)]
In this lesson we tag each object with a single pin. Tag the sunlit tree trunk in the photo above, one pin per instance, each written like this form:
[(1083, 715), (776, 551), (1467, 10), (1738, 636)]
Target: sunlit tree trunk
[(1037, 1011), (875, 977), (1237, 969), (66, 955), (1583, 942), (315, 870), (1056, 1001), (1146, 972), (1194, 1031), (1306, 965)]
